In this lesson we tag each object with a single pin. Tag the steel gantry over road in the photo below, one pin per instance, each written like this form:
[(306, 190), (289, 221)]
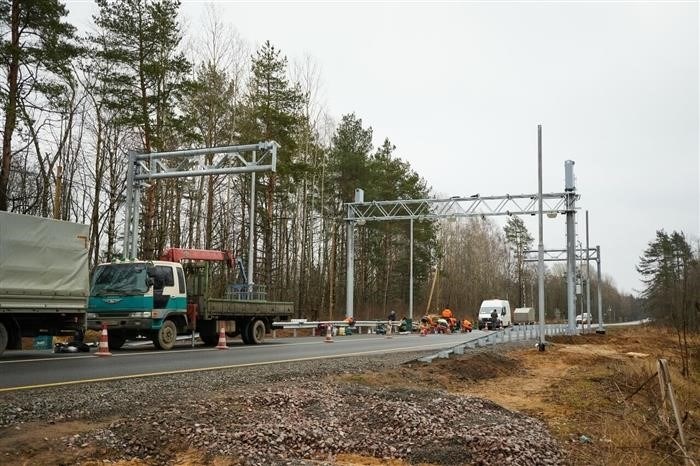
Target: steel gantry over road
[(360, 212), (559, 255), (143, 168), (588, 254)]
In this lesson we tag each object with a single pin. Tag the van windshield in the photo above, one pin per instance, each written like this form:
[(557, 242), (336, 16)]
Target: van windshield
[(123, 279), (489, 309)]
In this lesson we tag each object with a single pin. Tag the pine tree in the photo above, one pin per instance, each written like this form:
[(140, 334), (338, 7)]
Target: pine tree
[(519, 240), (40, 48), (141, 38), (272, 111)]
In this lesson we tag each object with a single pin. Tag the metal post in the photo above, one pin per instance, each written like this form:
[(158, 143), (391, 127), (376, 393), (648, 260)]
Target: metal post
[(588, 277), (251, 232), (601, 329), (540, 245), (570, 245), (127, 210), (136, 209), (350, 269), (410, 278)]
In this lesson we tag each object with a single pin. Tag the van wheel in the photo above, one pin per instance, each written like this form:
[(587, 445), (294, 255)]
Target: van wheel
[(164, 338)]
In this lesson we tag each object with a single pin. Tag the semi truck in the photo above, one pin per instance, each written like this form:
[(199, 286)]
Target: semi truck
[(44, 278), (187, 291)]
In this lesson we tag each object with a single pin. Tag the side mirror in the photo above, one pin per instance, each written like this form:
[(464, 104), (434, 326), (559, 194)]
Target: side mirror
[(503, 312), (149, 281)]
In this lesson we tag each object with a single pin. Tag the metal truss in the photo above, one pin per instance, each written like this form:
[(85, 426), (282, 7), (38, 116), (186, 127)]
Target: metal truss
[(189, 163), (458, 207), (224, 160), (559, 255)]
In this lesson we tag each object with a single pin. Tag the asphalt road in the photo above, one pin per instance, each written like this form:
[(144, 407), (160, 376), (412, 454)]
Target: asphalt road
[(33, 369)]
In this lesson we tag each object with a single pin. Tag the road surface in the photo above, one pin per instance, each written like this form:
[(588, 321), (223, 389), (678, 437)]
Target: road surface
[(33, 369)]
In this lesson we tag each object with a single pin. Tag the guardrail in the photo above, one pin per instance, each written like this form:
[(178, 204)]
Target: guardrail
[(510, 334), (295, 324)]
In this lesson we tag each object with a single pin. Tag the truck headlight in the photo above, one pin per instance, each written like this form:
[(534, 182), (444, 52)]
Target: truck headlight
[(140, 315)]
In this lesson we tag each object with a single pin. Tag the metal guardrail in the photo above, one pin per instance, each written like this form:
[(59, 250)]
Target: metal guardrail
[(510, 334)]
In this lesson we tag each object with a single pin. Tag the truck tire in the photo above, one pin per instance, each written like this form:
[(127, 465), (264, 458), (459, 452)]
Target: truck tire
[(245, 333), (256, 332), (116, 340), (209, 338), (164, 338), (3, 338)]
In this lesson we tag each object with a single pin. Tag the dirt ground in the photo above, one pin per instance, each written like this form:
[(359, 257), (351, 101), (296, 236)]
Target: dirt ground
[(585, 389), (597, 394)]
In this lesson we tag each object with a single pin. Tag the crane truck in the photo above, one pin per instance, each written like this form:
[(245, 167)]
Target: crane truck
[(185, 291), (43, 278)]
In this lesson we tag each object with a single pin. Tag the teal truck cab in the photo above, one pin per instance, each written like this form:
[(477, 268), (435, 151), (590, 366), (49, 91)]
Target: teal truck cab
[(177, 296)]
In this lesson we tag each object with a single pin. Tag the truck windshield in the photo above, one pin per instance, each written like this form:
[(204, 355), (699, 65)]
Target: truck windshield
[(124, 279)]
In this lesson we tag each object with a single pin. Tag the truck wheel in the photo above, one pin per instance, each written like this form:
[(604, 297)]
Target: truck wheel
[(164, 338), (116, 341), (209, 338), (256, 332), (245, 333), (3, 338)]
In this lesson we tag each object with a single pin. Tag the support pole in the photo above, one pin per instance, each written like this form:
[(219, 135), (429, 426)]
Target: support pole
[(410, 278), (588, 278), (601, 329), (570, 245), (251, 233), (540, 244), (127, 208), (136, 209), (350, 257)]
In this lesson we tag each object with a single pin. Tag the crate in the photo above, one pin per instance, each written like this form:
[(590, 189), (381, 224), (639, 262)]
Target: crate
[(43, 342)]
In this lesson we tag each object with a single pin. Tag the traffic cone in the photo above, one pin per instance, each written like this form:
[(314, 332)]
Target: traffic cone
[(222, 339), (103, 349), (424, 331), (329, 334), (389, 330)]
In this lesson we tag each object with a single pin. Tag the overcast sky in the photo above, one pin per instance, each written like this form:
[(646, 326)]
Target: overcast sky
[(460, 88)]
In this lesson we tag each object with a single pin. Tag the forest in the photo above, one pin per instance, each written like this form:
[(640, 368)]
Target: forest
[(75, 102)]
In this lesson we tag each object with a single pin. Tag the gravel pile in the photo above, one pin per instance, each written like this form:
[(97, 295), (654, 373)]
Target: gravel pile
[(289, 414)]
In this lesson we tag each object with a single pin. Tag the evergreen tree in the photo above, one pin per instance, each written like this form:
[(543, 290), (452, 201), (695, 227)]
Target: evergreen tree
[(519, 241), (669, 273), (272, 111), (38, 48), (141, 38)]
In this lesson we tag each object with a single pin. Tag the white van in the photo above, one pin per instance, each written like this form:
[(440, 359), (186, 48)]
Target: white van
[(502, 308)]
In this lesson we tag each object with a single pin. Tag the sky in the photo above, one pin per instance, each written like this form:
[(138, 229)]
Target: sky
[(460, 87)]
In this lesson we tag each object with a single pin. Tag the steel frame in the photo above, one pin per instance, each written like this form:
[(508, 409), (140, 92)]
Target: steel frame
[(143, 168), (451, 208)]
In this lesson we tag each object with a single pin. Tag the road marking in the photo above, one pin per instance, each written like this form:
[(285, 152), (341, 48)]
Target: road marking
[(216, 368)]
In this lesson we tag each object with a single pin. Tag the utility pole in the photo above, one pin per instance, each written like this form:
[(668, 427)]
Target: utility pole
[(570, 188), (540, 243)]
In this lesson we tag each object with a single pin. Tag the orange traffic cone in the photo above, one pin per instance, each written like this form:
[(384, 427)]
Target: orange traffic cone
[(103, 349), (222, 339), (329, 334)]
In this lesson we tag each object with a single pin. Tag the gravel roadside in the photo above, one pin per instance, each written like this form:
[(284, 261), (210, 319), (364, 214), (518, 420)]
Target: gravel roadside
[(294, 413)]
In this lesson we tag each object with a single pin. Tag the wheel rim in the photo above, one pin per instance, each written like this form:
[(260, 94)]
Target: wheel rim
[(167, 334), (259, 331)]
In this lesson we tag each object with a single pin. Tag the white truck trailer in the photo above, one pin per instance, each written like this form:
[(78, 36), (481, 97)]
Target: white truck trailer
[(44, 278)]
